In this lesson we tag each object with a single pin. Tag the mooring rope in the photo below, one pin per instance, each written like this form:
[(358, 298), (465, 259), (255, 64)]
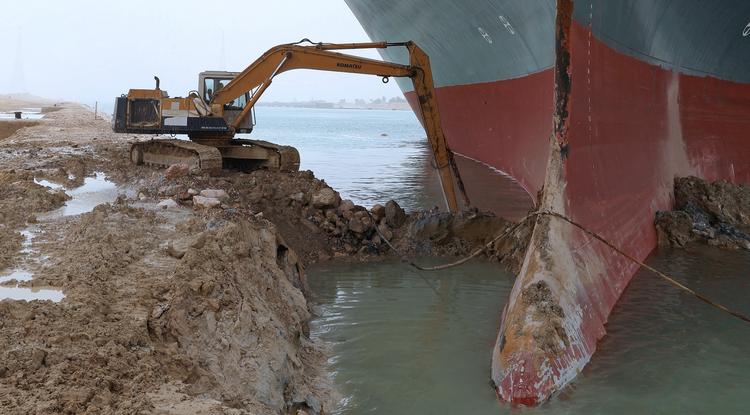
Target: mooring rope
[(509, 230)]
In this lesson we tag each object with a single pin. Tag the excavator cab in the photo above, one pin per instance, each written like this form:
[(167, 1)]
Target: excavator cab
[(211, 82)]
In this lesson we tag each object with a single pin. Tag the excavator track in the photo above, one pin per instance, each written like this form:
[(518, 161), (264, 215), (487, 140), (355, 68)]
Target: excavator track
[(288, 156), (165, 153)]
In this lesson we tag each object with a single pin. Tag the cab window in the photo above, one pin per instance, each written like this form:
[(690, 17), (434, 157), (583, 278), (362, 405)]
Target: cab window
[(208, 89), (214, 85)]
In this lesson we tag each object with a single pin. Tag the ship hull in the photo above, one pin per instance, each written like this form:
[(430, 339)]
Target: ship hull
[(640, 92)]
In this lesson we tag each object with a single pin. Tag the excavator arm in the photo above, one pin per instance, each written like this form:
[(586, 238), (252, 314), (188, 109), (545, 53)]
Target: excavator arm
[(321, 56)]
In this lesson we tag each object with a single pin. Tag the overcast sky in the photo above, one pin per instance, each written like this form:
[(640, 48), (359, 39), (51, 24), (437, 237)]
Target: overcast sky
[(86, 50)]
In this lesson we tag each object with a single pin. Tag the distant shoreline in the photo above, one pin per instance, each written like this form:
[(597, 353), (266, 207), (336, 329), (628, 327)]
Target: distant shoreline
[(291, 105), (393, 104)]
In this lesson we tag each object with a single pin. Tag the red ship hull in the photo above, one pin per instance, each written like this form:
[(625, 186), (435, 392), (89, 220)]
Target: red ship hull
[(633, 94), (632, 128)]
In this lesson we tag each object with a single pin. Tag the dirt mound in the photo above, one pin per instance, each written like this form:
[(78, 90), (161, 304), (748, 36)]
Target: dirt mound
[(234, 325), (715, 213), (8, 128), (318, 225), (225, 323)]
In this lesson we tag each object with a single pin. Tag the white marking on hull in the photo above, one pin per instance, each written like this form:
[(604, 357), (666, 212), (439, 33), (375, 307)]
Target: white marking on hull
[(507, 24), (485, 35), (500, 172)]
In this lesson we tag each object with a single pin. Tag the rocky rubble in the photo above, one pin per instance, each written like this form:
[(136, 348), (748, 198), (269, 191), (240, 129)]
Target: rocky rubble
[(319, 225), (715, 213)]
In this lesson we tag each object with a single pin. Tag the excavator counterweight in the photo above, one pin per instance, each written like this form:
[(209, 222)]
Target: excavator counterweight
[(223, 106)]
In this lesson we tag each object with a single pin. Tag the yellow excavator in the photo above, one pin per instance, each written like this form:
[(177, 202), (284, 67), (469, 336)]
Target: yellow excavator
[(223, 106)]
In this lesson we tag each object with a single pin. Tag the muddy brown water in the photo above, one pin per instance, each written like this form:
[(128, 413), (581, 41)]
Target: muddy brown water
[(399, 345)]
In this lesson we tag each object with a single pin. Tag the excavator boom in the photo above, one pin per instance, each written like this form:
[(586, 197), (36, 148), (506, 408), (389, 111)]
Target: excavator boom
[(259, 75)]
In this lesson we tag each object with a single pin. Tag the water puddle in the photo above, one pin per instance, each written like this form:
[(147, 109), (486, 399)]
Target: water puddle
[(26, 114), (29, 294), (94, 191)]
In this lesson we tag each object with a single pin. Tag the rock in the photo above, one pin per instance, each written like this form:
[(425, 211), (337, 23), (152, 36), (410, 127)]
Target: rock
[(214, 193), (384, 230), (674, 228), (298, 197), (347, 214), (37, 358), (159, 310), (168, 204), (394, 215), (170, 190), (142, 196), (192, 192), (331, 216), (184, 196), (313, 403), (309, 225), (720, 200), (326, 198), (360, 214), (206, 202), (176, 250), (177, 170), (378, 212), (346, 206), (367, 222), (356, 226), (328, 227), (179, 247), (197, 241), (715, 213)]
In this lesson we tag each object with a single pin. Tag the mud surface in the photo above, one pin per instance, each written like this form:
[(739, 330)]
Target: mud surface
[(171, 307), (547, 313), (716, 213), (165, 311)]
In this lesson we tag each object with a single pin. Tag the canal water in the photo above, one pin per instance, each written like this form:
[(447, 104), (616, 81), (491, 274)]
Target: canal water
[(409, 343), (372, 156), (367, 155), (419, 343)]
